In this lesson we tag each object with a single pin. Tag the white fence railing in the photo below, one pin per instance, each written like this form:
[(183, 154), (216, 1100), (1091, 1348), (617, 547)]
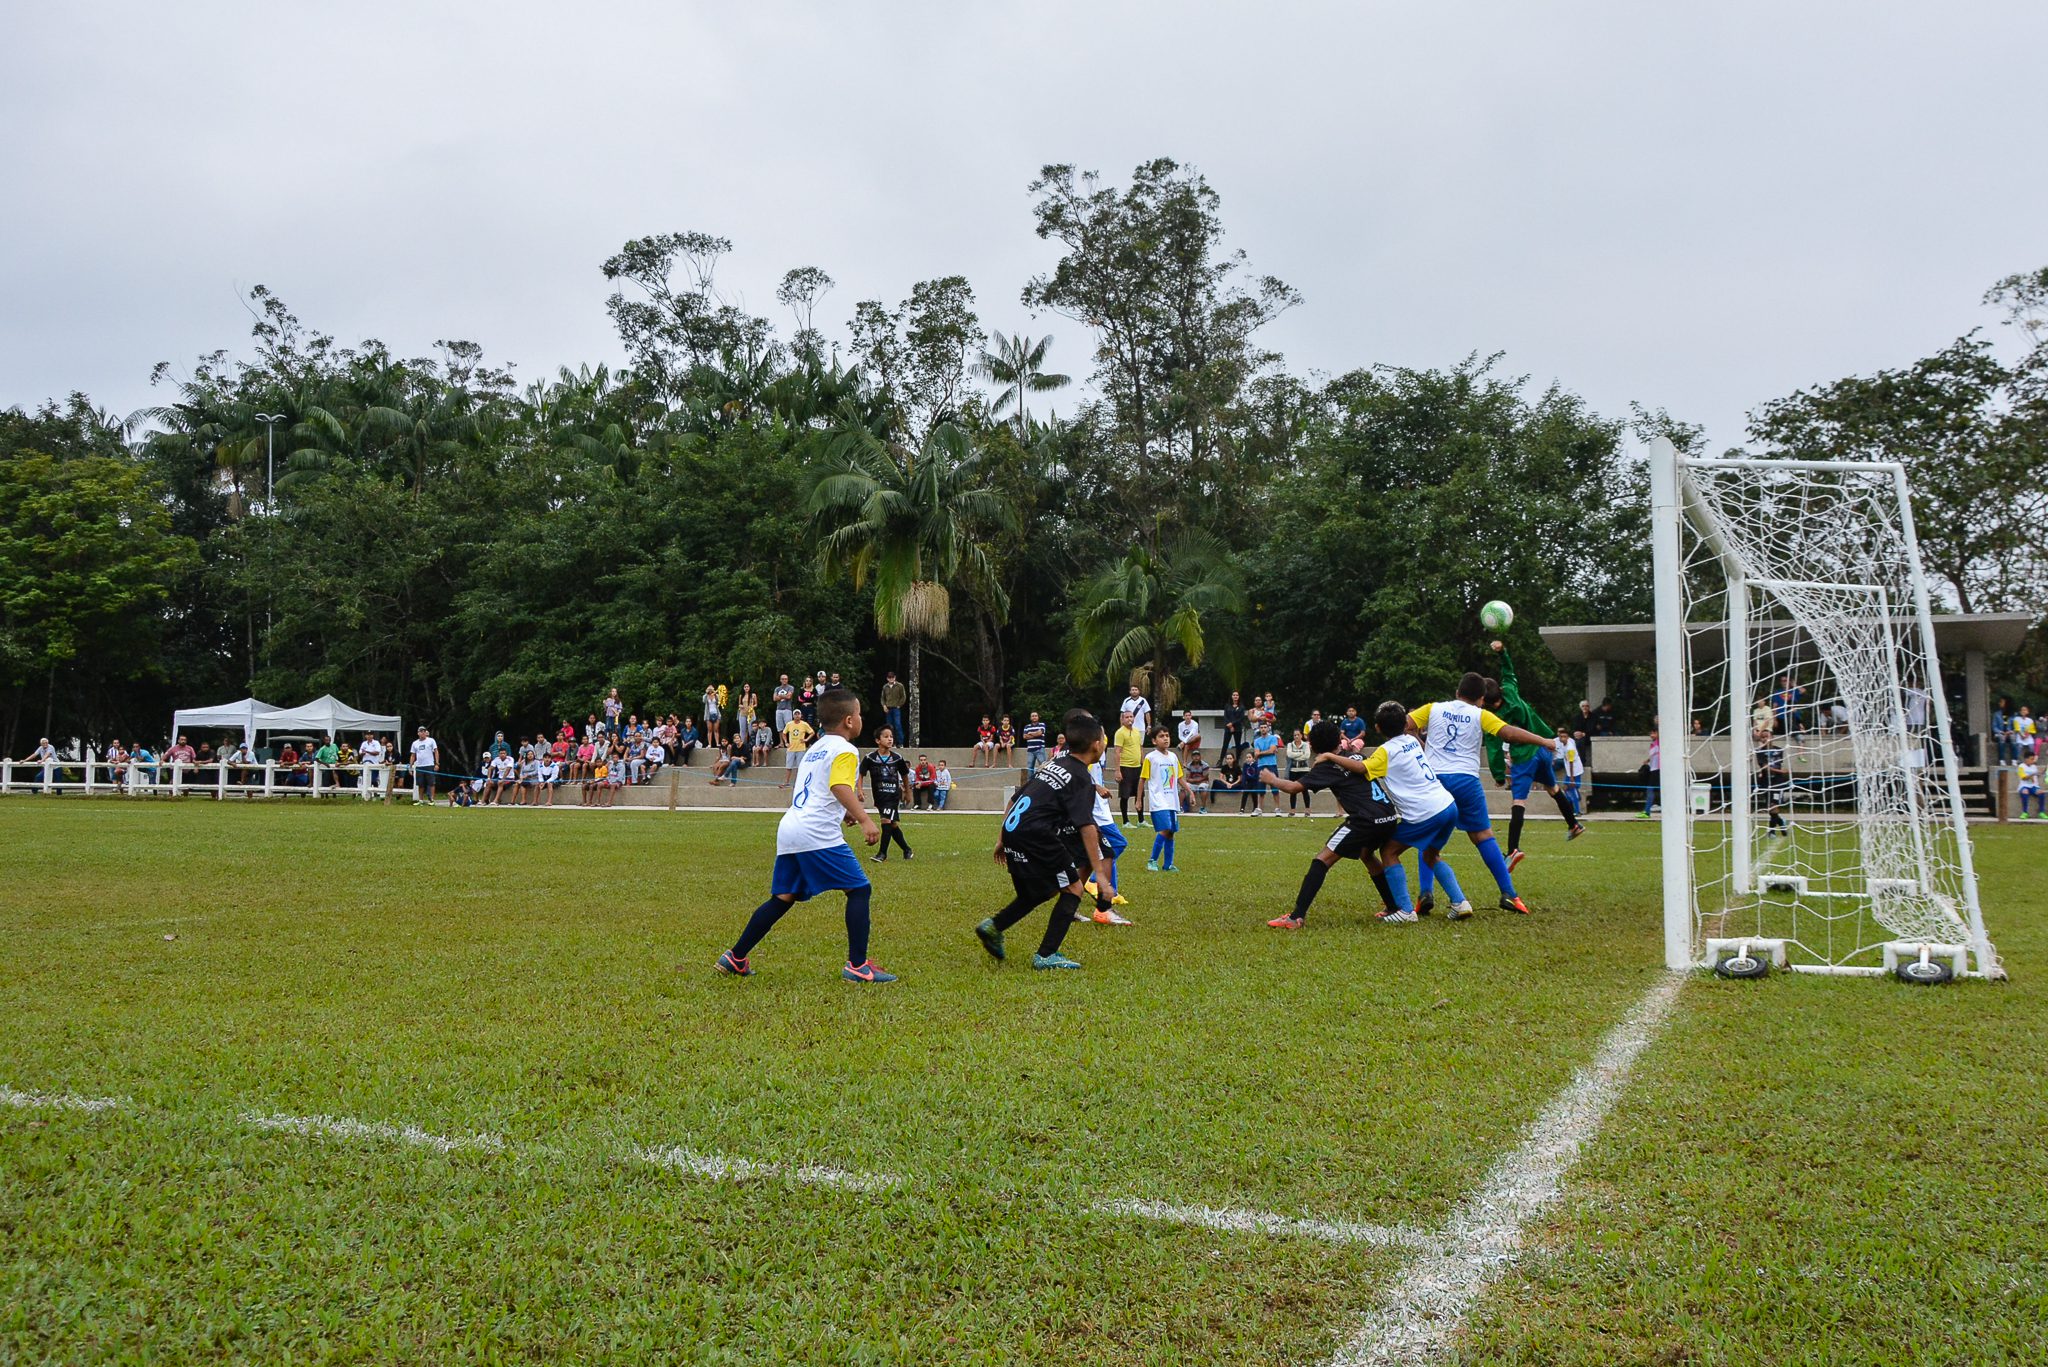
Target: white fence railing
[(219, 779)]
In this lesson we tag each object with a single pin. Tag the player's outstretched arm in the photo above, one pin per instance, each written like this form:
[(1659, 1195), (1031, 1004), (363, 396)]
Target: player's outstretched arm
[(1285, 785), (1517, 736), (850, 800), (1355, 765)]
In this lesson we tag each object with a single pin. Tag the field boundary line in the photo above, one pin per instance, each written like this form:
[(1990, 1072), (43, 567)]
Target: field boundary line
[(719, 1168), (1237, 1221), (61, 1101), (1429, 1300), (344, 1127)]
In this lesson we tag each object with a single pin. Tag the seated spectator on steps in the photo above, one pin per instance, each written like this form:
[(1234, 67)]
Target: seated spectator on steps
[(942, 787), (924, 780)]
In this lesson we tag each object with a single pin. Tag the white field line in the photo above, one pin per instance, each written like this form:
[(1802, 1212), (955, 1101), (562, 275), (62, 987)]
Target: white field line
[(342, 1127), (1430, 1299), (60, 1101), (719, 1168), (1261, 1222)]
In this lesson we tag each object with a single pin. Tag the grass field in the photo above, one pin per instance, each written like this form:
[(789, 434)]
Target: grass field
[(617, 1155)]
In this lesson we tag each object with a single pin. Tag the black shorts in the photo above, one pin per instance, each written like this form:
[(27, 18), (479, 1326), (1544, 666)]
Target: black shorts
[(888, 809), (1042, 874), (1355, 838)]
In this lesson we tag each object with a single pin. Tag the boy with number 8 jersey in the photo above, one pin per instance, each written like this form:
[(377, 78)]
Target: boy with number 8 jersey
[(1048, 834), (810, 853)]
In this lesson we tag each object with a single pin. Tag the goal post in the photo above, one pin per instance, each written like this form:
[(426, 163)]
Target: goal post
[(1812, 794)]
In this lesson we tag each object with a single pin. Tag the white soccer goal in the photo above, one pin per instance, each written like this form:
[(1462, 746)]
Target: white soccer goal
[(1813, 810)]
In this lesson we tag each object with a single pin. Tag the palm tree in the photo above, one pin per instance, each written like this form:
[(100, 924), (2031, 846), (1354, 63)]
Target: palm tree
[(1018, 364), (1156, 610), (911, 524)]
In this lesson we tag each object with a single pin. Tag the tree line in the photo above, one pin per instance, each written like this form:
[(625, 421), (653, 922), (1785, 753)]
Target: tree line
[(429, 536)]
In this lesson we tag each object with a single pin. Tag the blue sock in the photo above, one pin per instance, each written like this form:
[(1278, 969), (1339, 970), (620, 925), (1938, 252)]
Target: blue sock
[(1426, 874), (1497, 865), (759, 924), (1449, 881), (1112, 873), (1157, 841), (857, 924), (1166, 842), (1397, 882)]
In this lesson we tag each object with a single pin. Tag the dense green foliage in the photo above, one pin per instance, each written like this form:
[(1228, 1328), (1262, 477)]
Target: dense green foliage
[(427, 536)]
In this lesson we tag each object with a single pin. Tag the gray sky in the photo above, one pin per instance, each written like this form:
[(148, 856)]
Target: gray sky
[(1701, 206)]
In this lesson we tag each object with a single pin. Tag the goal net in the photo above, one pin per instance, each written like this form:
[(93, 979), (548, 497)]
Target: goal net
[(1812, 800)]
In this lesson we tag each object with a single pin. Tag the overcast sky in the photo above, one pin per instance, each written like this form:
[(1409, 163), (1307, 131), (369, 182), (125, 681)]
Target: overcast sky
[(1700, 206)]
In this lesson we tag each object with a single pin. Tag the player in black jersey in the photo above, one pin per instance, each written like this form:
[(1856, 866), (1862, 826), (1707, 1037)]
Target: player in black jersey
[(1048, 838), (890, 774), (1369, 821)]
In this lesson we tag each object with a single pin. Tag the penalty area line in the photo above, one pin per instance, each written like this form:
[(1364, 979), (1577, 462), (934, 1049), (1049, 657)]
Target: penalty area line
[(1429, 1300), (1261, 1222)]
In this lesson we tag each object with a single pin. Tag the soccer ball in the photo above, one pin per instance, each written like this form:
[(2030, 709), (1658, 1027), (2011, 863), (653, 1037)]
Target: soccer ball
[(1496, 616)]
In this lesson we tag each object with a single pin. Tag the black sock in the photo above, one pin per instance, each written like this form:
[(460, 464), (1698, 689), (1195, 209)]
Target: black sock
[(1564, 808), (1386, 889), (857, 925), (894, 832), (1062, 917), (763, 920), (1311, 884), (1020, 907), (1515, 828)]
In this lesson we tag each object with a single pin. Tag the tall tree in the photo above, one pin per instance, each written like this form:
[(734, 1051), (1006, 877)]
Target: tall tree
[(1155, 612), (1145, 269), (1018, 365), (910, 524)]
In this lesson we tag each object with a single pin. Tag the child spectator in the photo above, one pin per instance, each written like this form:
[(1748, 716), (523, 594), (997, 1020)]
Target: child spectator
[(984, 745), (796, 738), (942, 787)]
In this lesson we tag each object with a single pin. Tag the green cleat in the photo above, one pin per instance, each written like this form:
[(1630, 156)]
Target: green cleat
[(991, 939), (1052, 961)]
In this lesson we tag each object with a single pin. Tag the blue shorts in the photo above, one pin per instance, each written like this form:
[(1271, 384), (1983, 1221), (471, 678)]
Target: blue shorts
[(1429, 834), (1470, 795), (1536, 771), (1164, 822), (1113, 842), (834, 868)]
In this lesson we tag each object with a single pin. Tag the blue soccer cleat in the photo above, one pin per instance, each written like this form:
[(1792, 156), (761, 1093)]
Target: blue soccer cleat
[(1052, 961), (738, 968), (991, 939), (868, 972)]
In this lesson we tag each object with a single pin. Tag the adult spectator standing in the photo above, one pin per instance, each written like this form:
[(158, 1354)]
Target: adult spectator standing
[(1582, 737), (785, 703), (1298, 756), (2001, 732), (796, 738), (426, 758), (44, 757), (370, 779), (613, 710), (1130, 760), (325, 758), (1265, 760), (1233, 726), (894, 696), (748, 711), (1788, 703), (1140, 709), (1034, 743), (497, 746), (713, 716)]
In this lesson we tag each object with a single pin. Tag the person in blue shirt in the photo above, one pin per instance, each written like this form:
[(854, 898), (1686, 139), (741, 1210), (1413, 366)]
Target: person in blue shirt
[(1265, 763), (1353, 725)]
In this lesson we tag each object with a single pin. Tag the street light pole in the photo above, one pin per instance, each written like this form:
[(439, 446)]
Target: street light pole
[(269, 454)]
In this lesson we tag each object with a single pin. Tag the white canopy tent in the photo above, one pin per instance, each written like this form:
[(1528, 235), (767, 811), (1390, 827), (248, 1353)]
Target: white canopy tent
[(246, 714), (325, 715)]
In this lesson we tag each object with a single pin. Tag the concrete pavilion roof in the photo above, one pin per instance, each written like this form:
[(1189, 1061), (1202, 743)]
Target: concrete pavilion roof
[(1954, 634)]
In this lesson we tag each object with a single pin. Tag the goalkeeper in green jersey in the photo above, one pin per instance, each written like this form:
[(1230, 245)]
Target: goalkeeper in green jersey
[(1521, 768)]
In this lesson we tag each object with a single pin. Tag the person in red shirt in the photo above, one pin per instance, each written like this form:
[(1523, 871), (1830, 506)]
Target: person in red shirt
[(922, 780)]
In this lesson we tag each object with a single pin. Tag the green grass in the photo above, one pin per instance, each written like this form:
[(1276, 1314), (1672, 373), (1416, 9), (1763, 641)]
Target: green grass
[(1789, 1174)]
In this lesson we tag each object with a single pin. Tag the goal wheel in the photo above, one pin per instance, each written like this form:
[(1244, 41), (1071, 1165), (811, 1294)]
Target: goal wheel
[(1742, 966), (1925, 972)]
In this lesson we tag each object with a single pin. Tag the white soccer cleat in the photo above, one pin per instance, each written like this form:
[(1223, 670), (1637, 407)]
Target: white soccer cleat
[(1399, 918)]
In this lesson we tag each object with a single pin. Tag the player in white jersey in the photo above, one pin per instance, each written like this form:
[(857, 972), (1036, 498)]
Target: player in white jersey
[(1113, 841), (1454, 735), (1428, 813), (1161, 775), (810, 853)]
